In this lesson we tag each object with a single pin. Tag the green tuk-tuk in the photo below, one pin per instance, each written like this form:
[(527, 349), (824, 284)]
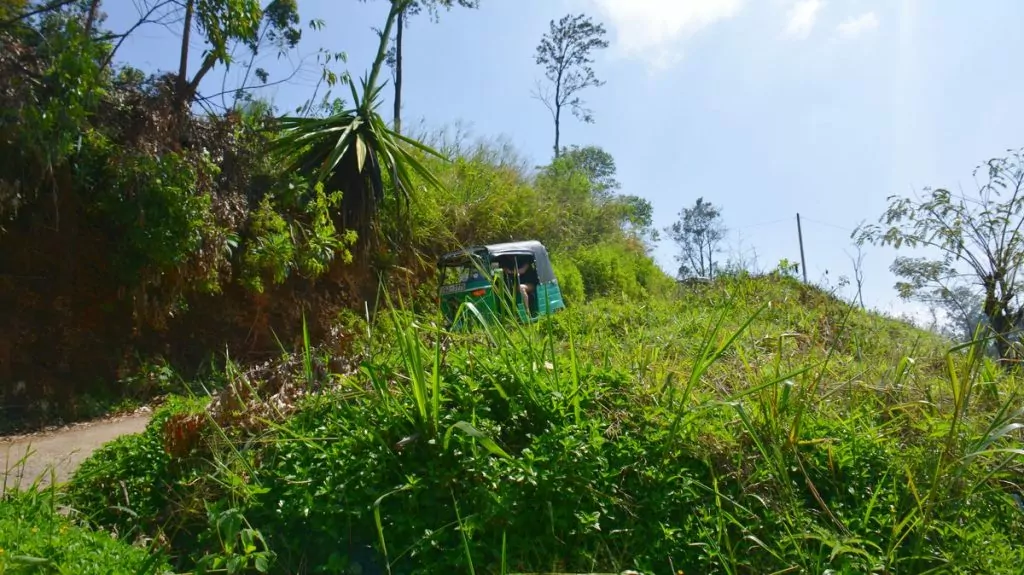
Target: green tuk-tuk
[(489, 277)]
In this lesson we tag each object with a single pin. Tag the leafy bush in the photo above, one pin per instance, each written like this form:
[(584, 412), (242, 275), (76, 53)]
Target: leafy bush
[(131, 484), (145, 217), (614, 269), (569, 281), (306, 244), (158, 208)]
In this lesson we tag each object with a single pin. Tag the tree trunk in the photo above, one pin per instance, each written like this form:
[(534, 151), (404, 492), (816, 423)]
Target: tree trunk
[(1000, 329), (996, 308), (558, 109), (186, 35), (398, 72), (193, 86), (94, 12), (558, 117), (397, 7), (711, 262)]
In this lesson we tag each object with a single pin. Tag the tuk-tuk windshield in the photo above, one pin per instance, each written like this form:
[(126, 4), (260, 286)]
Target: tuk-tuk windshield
[(460, 274), (459, 271)]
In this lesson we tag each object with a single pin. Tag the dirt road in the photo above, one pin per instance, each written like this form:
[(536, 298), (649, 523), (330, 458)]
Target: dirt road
[(62, 449)]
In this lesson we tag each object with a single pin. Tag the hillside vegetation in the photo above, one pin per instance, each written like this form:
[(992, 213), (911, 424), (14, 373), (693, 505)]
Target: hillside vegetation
[(137, 234), (316, 417), (754, 425)]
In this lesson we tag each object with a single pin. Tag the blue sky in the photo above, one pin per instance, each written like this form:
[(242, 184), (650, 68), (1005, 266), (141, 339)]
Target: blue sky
[(764, 107)]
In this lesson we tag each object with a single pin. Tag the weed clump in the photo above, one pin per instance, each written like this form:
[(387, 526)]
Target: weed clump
[(36, 538)]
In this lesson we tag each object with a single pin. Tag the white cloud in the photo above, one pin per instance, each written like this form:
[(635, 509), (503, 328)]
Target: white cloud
[(854, 27), (802, 17), (653, 30)]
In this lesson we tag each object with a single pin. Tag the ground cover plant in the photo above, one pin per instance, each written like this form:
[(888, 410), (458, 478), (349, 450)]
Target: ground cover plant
[(36, 538), (752, 425)]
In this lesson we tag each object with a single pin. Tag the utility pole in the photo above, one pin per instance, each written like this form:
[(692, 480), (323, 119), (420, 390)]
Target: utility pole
[(800, 235)]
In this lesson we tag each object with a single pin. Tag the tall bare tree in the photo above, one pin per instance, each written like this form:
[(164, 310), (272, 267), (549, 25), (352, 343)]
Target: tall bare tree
[(566, 52)]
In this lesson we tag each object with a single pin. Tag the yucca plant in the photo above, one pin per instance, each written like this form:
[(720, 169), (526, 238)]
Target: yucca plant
[(354, 150)]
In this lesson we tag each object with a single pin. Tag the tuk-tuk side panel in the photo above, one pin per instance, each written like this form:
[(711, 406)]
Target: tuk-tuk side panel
[(549, 298), (542, 262), (459, 289), (553, 297)]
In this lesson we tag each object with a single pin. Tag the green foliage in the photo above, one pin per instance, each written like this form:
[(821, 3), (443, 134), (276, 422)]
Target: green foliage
[(224, 21), (241, 549), (11, 9), (155, 205), (484, 198), (487, 197), (605, 273), (43, 120), (272, 249), (582, 212), (755, 424), (698, 232), (570, 281), (36, 538), (129, 484), (306, 243), (353, 150), (597, 164), (612, 269), (169, 207), (225, 26), (746, 425), (978, 240), (786, 268)]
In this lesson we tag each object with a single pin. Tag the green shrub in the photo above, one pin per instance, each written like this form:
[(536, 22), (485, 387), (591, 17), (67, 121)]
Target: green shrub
[(131, 485), (293, 233), (651, 277), (569, 281), (607, 269)]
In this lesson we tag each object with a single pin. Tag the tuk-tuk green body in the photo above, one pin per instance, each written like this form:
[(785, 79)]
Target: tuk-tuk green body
[(477, 275)]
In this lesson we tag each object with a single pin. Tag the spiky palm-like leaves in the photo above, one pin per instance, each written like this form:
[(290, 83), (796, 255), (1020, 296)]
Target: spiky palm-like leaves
[(353, 150)]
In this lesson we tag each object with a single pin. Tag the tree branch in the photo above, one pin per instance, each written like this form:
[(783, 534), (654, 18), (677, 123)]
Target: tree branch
[(142, 21), (539, 93), (55, 5), (289, 78)]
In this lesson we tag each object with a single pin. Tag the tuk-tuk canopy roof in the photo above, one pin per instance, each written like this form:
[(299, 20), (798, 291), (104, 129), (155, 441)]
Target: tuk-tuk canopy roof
[(533, 248)]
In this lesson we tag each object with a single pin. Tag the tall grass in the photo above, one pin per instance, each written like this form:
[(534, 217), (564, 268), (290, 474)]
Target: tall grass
[(755, 426), (36, 536)]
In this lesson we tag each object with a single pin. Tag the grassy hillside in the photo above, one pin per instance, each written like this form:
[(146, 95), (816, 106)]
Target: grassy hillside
[(754, 425)]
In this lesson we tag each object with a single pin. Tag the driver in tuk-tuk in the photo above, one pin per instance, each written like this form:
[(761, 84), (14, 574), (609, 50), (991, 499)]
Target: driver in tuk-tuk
[(528, 280)]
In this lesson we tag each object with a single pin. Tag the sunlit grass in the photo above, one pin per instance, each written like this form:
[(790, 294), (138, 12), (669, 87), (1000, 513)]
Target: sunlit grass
[(754, 425)]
